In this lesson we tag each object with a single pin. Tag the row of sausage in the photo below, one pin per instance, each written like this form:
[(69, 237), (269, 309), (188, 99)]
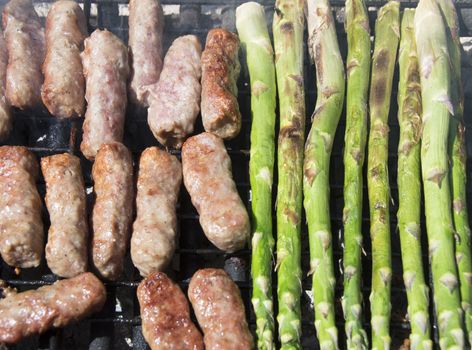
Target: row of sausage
[(206, 172), (62, 68), (165, 313)]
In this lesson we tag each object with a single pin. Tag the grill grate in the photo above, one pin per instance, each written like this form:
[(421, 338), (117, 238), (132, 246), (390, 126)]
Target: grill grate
[(117, 326)]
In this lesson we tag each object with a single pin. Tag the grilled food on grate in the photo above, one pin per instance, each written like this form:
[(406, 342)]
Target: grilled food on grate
[(165, 315), (175, 99)]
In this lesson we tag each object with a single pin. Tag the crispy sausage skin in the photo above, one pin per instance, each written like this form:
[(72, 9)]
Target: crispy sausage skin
[(208, 179), (175, 99), (219, 309), (21, 226), (66, 249), (165, 315), (63, 91), (146, 26), (26, 47), (155, 227), (5, 113), (57, 305), (220, 72), (105, 61), (113, 209)]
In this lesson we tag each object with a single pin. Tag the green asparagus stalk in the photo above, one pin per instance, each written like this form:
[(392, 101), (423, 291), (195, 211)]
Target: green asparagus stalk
[(458, 173), (288, 28), (324, 51), (254, 36), (409, 186), (387, 32), (358, 68), (435, 75)]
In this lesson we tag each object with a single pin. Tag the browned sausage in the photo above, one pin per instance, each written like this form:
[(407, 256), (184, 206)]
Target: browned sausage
[(155, 228), (5, 114), (165, 315), (113, 209), (58, 305), (220, 72), (26, 47), (219, 308), (66, 250), (21, 226), (63, 91), (175, 100), (146, 26), (208, 179), (105, 61)]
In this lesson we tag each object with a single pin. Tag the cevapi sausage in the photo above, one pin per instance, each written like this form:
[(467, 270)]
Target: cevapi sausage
[(155, 228), (165, 315), (26, 48), (220, 72), (208, 179), (21, 226), (175, 99), (5, 113), (112, 174), (66, 249), (105, 61), (57, 305), (63, 91), (219, 309), (146, 26)]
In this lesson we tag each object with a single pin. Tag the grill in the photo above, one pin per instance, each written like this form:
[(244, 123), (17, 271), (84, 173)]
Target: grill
[(117, 326)]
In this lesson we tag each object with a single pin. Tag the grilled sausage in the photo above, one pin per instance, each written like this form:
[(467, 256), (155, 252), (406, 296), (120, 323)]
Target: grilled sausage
[(63, 91), (146, 26), (5, 114), (21, 226), (165, 315), (208, 179), (66, 249), (26, 47), (175, 100), (57, 305), (220, 72), (155, 228), (219, 309), (113, 209), (105, 61)]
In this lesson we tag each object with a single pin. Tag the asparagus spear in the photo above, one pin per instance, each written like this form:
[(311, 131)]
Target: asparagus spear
[(458, 173), (288, 28), (435, 75), (324, 51), (409, 185), (385, 49), (358, 68), (254, 36)]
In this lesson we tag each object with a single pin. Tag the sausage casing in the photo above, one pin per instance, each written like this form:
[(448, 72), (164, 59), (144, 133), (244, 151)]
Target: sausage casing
[(5, 114), (66, 249), (219, 309), (208, 179), (146, 26), (105, 61), (26, 47), (220, 72), (155, 227), (113, 209), (165, 315), (63, 91), (57, 305), (175, 99), (21, 226)]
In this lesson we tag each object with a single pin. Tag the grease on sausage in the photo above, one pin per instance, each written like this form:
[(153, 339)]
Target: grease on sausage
[(21, 226), (113, 209)]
